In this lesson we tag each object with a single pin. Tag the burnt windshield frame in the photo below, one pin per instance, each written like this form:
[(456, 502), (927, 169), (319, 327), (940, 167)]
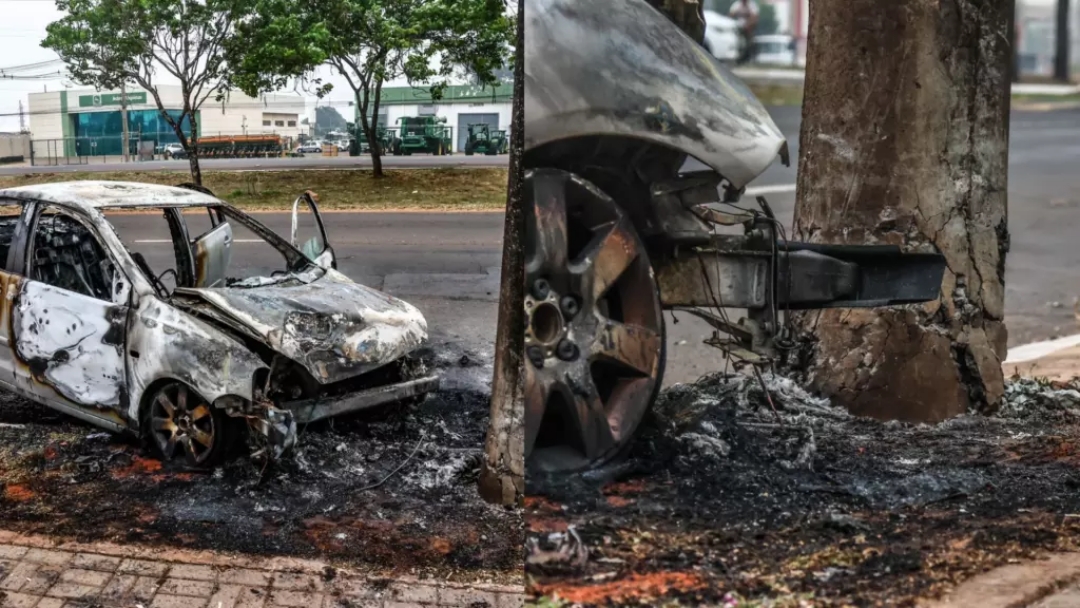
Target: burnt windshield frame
[(296, 260)]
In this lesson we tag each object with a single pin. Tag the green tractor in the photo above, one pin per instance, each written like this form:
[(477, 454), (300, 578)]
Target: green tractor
[(358, 143), (485, 140), (423, 134)]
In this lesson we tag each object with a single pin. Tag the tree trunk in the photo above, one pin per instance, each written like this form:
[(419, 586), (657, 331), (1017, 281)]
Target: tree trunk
[(1061, 56), (376, 153), (502, 476), (1014, 52), (905, 141), (193, 150)]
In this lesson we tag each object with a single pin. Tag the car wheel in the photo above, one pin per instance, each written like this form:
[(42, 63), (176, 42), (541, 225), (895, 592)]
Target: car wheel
[(180, 423), (594, 335)]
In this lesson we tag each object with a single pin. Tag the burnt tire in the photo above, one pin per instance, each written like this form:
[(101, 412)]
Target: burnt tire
[(179, 423), (594, 335)]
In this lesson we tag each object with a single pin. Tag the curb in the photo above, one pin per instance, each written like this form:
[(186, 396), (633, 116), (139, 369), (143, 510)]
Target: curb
[(236, 560), (1014, 586)]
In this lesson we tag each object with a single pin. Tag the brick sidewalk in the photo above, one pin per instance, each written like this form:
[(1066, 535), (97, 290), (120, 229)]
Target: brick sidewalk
[(1046, 583), (39, 572), (1062, 365)]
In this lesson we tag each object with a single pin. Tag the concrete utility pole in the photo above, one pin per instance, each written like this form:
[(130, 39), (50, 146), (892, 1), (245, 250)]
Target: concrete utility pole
[(1061, 56), (502, 474), (905, 139), (124, 118)]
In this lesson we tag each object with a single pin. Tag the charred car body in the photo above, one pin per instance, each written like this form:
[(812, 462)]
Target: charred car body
[(94, 332), (617, 98)]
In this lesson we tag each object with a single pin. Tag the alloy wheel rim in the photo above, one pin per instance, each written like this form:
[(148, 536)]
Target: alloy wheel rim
[(593, 336), (181, 421)]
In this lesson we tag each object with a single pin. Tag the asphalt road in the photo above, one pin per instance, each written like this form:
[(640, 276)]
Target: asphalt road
[(269, 164)]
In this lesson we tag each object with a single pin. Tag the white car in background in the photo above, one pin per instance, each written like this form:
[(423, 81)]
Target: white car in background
[(774, 49), (721, 36)]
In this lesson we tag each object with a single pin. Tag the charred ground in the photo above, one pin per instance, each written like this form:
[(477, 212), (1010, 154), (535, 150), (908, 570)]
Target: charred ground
[(61, 477), (723, 499)]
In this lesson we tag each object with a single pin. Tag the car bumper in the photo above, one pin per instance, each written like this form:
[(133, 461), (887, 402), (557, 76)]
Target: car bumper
[(310, 410)]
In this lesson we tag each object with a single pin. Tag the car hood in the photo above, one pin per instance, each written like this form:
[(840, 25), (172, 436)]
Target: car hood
[(622, 68), (333, 327)]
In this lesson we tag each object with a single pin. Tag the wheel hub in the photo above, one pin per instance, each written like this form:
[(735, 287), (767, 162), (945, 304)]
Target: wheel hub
[(593, 332)]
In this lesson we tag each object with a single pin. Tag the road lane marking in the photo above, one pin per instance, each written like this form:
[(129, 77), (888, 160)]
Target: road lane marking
[(162, 241), (775, 189), (1030, 352)]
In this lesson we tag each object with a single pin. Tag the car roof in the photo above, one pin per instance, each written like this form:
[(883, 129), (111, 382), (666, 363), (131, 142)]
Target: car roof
[(88, 194)]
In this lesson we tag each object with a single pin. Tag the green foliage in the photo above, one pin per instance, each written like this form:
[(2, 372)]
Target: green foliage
[(767, 20), (370, 42), (107, 43)]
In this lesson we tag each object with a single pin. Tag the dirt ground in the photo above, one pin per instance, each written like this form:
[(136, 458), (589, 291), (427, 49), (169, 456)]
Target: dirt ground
[(724, 502), (446, 189), (62, 477)]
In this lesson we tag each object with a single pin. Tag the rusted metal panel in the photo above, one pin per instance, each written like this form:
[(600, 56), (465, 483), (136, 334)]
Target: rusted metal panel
[(711, 279), (621, 68)]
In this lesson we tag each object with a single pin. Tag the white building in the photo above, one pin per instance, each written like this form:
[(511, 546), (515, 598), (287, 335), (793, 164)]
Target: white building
[(88, 122)]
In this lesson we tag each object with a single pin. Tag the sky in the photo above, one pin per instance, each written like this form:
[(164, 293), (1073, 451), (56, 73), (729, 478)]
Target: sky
[(22, 30)]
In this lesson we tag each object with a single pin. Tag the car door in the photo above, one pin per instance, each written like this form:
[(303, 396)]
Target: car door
[(12, 233), (69, 318), (308, 233)]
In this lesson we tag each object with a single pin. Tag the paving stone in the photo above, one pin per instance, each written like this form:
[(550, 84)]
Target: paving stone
[(48, 556), (352, 602), (18, 600), (144, 588), (307, 599), (245, 576), (12, 551), (43, 578), (85, 577), (412, 592), (226, 596), (51, 602), (19, 576), (511, 600), (252, 598), (91, 561), (405, 605), (198, 573), (178, 601), (119, 586), (179, 586), (72, 590), (142, 567), (292, 580), (471, 598)]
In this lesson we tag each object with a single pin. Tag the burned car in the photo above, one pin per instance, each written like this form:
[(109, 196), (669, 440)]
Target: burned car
[(620, 227), (191, 357)]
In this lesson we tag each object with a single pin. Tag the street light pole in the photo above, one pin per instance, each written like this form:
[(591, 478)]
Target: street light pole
[(124, 118)]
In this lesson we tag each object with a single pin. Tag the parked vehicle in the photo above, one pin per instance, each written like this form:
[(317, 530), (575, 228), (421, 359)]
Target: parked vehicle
[(774, 49), (235, 146), (422, 134), (174, 150), (309, 148), (722, 36), (616, 231), (93, 331), (483, 139)]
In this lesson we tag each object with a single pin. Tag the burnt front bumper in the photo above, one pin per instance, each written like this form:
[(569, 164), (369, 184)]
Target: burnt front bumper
[(309, 410)]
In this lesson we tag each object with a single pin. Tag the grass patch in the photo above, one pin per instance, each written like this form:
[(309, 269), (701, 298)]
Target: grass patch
[(441, 189), (777, 94)]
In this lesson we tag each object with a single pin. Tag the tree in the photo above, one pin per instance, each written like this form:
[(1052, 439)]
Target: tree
[(109, 43), (502, 475), (328, 119), (1062, 47), (370, 42), (904, 141)]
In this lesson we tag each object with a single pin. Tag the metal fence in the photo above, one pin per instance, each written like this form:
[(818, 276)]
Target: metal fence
[(110, 149)]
